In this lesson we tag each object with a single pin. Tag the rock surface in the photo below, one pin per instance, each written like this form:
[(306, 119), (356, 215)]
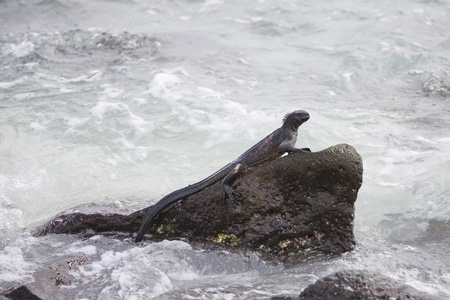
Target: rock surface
[(359, 285), (294, 207)]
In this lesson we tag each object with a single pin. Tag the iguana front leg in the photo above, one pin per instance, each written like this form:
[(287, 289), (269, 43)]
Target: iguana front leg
[(286, 146), (227, 189)]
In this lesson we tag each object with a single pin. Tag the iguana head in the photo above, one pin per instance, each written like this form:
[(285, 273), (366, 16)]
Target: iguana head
[(294, 119)]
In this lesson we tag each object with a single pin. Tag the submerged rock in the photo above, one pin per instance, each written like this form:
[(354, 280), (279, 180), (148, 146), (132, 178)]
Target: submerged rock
[(47, 282), (294, 207), (359, 285)]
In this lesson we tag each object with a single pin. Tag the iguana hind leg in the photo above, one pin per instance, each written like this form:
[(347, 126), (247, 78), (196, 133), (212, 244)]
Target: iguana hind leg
[(228, 193)]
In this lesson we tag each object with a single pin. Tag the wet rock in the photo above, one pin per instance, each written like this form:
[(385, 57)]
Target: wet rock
[(359, 285), (224, 292), (48, 282), (294, 207), (284, 298), (416, 230)]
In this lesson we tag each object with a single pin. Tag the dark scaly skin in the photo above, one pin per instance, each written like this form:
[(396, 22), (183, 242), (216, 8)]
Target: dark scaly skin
[(274, 145)]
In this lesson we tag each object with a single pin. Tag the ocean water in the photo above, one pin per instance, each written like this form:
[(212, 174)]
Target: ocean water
[(121, 102)]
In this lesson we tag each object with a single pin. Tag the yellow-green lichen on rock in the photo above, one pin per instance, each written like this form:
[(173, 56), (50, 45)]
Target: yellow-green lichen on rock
[(227, 239)]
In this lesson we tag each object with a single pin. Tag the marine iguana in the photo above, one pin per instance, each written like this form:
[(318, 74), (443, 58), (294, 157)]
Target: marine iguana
[(274, 145)]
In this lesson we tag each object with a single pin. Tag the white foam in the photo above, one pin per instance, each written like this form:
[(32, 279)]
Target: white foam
[(139, 123), (111, 92), (74, 122), (7, 85), (140, 100), (13, 266), (163, 83), (10, 216), (36, 126), (24, 96), (76, 248), (138, 271), (20, 50), (103, 106), (91, 76), (122, 109)]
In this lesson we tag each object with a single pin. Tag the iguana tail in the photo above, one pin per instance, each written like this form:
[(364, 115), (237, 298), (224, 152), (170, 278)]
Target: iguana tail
[(177, 195)]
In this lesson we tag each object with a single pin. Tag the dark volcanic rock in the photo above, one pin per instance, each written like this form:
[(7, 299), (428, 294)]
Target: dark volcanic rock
[(295, 206), (359, 285)]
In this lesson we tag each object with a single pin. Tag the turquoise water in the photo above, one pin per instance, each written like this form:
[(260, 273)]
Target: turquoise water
[(121, 102)]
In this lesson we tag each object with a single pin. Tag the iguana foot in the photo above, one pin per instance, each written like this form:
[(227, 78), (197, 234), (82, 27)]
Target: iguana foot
[(301, 150), (228, 195)]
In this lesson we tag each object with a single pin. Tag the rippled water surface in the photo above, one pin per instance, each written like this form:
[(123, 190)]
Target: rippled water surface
[(121, 102)]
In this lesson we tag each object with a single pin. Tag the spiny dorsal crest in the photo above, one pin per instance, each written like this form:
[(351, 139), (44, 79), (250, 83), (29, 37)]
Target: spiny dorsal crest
[(287, 116)]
